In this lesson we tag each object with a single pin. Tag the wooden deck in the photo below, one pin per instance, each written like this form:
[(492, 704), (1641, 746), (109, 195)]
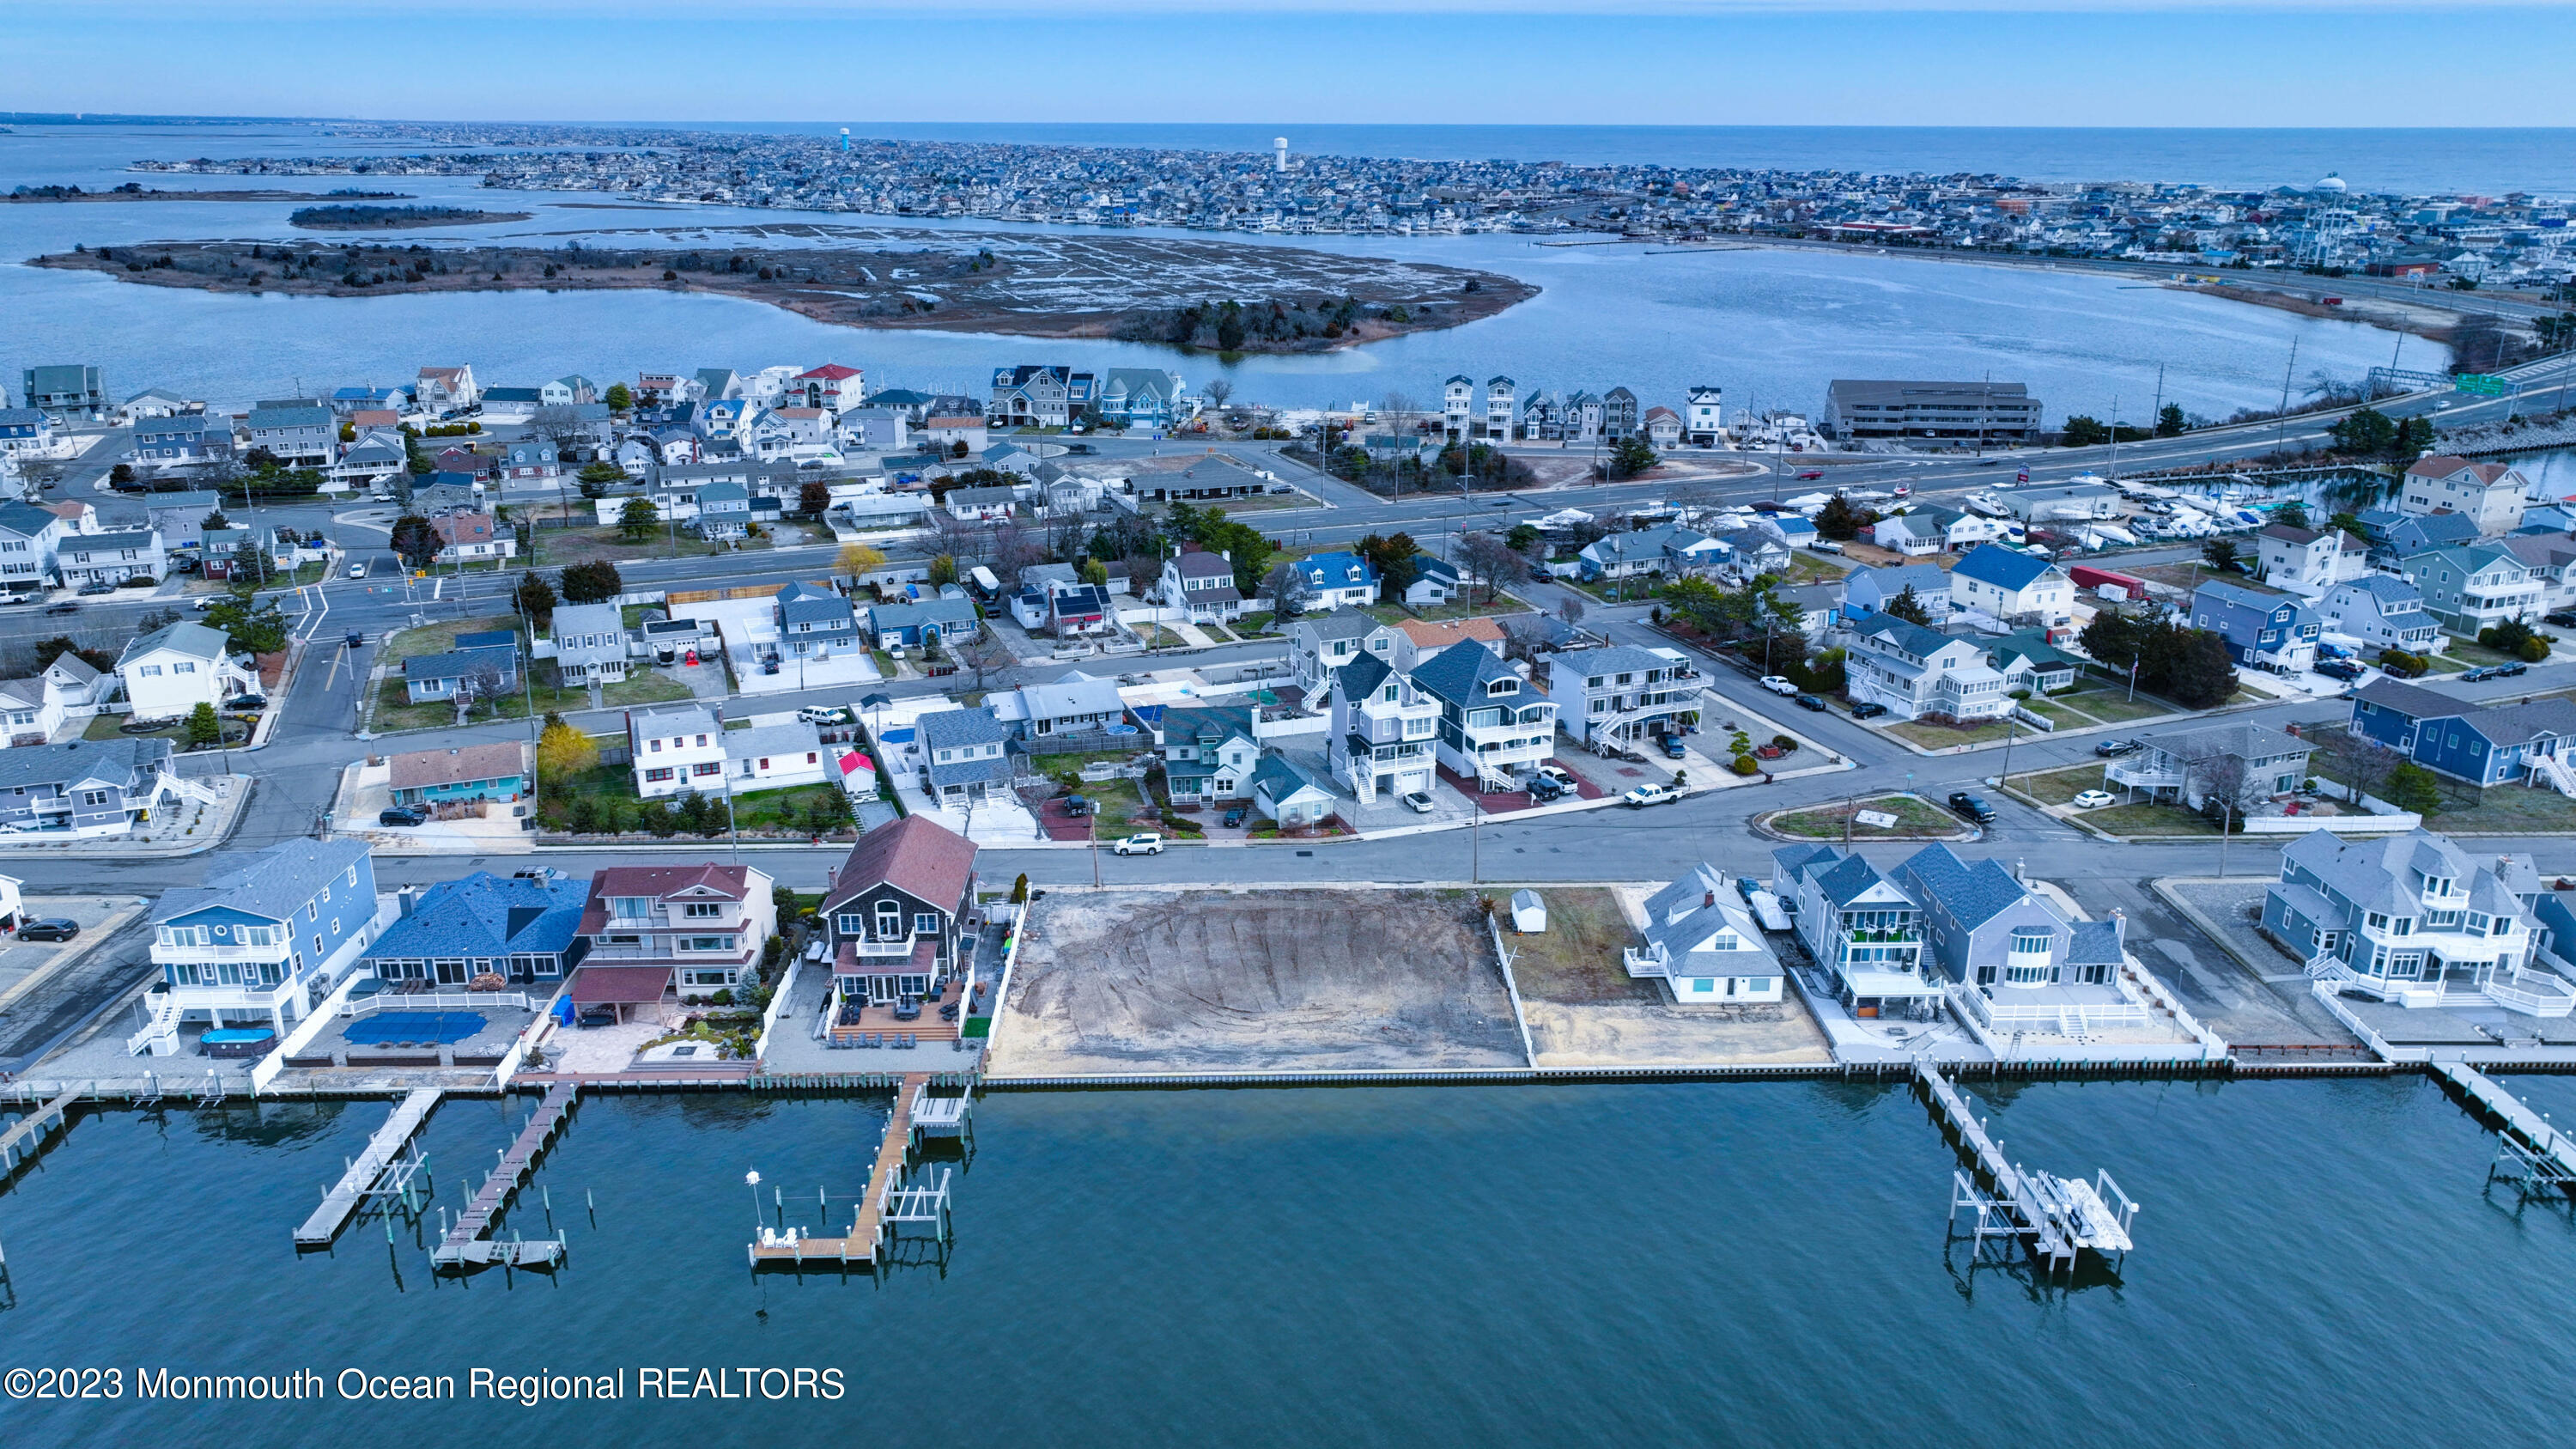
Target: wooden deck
[(341, 1202), (2536, 1156), (2055, 1218), (867, 1228), (29, 1132), (467, 1241)]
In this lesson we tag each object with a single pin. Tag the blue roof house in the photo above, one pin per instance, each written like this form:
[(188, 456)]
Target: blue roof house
[(483, 924), (2483, 745), (1338, 579)]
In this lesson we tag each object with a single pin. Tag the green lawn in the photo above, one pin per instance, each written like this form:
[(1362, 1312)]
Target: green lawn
[(791, 808), (555, 546), (2112, 706), (440, 638), (1217, 632), (1941, 737), (2514, 809), (395, 711), (1253, 624), (2058, 714), (1916, 819), (1163, 638), (2057, 787), (1502, 603), (2149, 820), (1071, 763), (1806, 568)]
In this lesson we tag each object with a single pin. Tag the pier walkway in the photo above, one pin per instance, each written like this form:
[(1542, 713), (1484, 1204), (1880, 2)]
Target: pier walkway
[(29, 1132), (466, 1243), (2055, 1218), (2532, 1155), (360, 1182), (868, 1229)]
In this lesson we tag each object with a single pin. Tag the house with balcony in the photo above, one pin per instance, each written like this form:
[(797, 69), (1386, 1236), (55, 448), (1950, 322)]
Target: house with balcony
[(2415, 919), (2189, 767), (2306, 560), (672, 750), (2017, 964), (1380, 742), (2379, 612), (265, 937), (1705, 427), (2013, 587), (1916, 671), (2475, 586), (965, 755), (524, 928), (1209, 752), (1500, 392), (2481, 744), (1862, 930), (1495, 726), (1202, 583), (89, 787), (651, 929), (1623, 694), (300, 437), (1143, 397), (896, 909), (1704, 946), (2273, 632), (2489, 495), (1457, 406)]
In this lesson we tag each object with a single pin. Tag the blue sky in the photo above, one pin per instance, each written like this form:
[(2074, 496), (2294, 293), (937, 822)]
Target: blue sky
[(1679, 62)]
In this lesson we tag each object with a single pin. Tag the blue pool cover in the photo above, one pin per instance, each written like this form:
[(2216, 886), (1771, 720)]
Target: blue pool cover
[(437, 1026)]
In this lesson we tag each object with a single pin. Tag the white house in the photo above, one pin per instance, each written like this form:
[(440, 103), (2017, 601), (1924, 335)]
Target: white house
[(1203, 583), (1916, 671), (2489, 495), (2013, 587), (2306, 561), (676, 750), (1495, 727), (177, 667), (1704, 946), (770, 757)]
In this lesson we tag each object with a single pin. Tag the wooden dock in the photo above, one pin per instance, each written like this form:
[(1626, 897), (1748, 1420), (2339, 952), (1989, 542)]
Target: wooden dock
[(2535, 1157), (468, 1243), (868, 1227), (29, 1132), (2055, 1219), (370, 1168)]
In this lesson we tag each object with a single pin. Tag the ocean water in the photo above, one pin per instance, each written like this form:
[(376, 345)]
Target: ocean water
[(1771, 327), (1635, 1264)]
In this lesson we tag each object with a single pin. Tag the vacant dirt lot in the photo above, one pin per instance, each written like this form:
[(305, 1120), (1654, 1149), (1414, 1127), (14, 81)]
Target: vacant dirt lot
[(1585, 1010), (1127, 982)]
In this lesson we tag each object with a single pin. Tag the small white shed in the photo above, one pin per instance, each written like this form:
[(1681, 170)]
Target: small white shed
[(1529, 913)]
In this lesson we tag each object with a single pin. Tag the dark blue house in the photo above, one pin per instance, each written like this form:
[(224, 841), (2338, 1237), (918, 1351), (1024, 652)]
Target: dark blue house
[(2274, 632), (484, 924), (2480, 744)]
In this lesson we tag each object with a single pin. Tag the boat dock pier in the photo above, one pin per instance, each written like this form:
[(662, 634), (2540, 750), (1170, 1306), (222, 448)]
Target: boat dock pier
[(29, 1132), (886, 1202), (2536, 1158), (379, 1171), (466, 1245), (2055, 1219)]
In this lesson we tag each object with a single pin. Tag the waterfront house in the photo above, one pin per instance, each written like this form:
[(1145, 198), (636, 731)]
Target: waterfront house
[(1916, 671), (907, 625), (896, 908), (298, 437), (170, 671), (1038, 395), (1495, 727), (1869, 590), (677, 749), (817, 623), (111, 558), (1663, 428), (265, 936), (1142, 397), (525, 928), (2380, 612), (1499, 392), (831, 385), (1860, 928), (1209, 752), (495, 771), (2482, 744), (1457, 406), (1380, 741), (2474, 586), (1290, 794), (1985, 928), (2012, 587), (1622, 693), (1202, 583), (181, 439), (2189, 767), (479, 673), (2305, 560), (590, 642), (775, 756), (2268, 631), (2550, 556), (89, 787), (1704, 946), (65, 389), (444, 390), (1705, 427), (1338, 580), (2415, 919), (644, 926), (1618, 414), (965, 755), (2488, 495)]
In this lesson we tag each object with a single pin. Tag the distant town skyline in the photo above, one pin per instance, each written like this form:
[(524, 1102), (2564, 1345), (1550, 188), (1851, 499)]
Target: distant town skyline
[(1682, 62)]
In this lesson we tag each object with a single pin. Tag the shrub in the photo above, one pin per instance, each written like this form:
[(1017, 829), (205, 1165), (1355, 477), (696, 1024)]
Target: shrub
[(723, 997), (2412, 787), (1783, 743), (1747, 765), (1020, 889), (2402, 664)]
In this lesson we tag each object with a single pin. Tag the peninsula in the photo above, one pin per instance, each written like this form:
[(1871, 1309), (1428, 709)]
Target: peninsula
[(131, 191), (1207, 294), (395, 218)]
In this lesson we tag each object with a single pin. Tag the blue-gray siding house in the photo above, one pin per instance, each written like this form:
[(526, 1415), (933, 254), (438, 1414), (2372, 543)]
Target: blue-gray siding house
[(526, 930), (268, 935), (85, 787), (2272, 632), (2480, 744)]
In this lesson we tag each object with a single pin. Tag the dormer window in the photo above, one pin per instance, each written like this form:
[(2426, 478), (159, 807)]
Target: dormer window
[(1502, 686)]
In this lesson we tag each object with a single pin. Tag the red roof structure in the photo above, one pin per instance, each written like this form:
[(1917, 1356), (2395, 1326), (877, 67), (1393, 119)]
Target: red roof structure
[(916, 855)]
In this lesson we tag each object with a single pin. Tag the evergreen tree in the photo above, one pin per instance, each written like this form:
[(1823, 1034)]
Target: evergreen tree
[(1907, 606), (2411, 787)]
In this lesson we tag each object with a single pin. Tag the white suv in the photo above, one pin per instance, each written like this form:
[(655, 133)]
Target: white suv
[(1778, 685)]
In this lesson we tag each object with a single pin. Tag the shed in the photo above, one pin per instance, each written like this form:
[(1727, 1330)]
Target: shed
[(1529, 913)]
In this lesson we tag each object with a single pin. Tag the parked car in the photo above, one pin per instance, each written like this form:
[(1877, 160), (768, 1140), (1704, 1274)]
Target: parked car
[(203, 602), (1972, 807), (1557, 773), (1075, 807), (62, 608), (2091, 799), (1826, 545), (819, 714), (2563, 618), (2113, 749), (247, 701), (2343, 669), (1418, 802), (49, 928), (602, 1014), (1808, 701), (99, 588), (1645, 795), (2494, 671), (403, 815), (1140, 845), (1868, 709), (1234, 818), (1542, 789), (1778, 685), (1673, 748)]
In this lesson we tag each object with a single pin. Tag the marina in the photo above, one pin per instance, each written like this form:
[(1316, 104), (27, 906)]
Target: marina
[(26, 1135), (887, 1200)]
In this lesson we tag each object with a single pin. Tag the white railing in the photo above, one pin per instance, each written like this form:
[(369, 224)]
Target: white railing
[(1643, 963), (2532, 993), (190, 955), (2067, 1020), (2553, 771), (301, 1035), (777, 1008), (160, 1035), (434, 1001), (890, 950), (2033, 719), (2393, 824), (2141, 777), (2325, 967)]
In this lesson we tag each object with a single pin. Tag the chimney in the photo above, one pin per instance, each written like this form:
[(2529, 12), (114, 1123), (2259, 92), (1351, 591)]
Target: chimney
[(1707, 899), (2119, 928), (2017, 875), (408, 898)]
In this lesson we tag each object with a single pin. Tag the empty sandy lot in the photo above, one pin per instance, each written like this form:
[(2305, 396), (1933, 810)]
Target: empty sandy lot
[(1137, 982)]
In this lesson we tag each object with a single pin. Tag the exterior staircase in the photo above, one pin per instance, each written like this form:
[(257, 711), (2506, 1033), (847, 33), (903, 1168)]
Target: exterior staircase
[(160, 1036), (2553, 771)]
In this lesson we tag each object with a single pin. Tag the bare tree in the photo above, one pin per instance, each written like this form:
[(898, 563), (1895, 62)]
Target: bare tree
[(1288, 592), (481, 685), (1217, 390), (1014, 548), (1570, 609), (958, 538), (1524, 635), (1490, 564), (2359, 761), (982, 660), (562, 429)]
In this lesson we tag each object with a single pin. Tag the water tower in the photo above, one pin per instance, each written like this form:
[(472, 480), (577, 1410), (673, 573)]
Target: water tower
[(1281, 144), (845, 140)]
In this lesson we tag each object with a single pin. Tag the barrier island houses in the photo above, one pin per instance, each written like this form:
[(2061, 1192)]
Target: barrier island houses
[(896, 908), (267, 936), (2414, 919)]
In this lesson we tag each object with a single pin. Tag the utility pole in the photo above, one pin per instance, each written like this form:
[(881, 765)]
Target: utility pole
[(2281, 436)]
